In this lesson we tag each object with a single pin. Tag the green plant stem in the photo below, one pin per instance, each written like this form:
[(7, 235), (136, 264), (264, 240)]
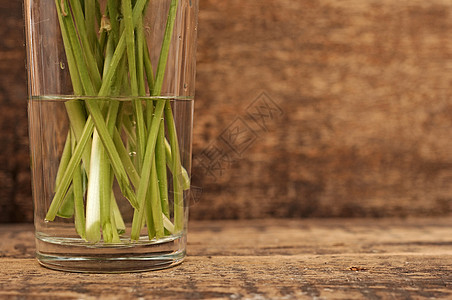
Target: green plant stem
[(150, 193), (169, 162), (139, 114), (160, 148), (125, 159), (148, 68), (75, 109), (93, 215), (156, 210), (77, 185), (156, 204), (77, 118), (86, 43), (158, 113), (177, 176), (97, 116), (103, 167), (65, 157), (168, 225), (102, 43), (105, 199), (128, 129), (117, 218), (130, 42), (75, 48), (114, 219), (73, 70), (140, 41), (141, 131), (160, 158), (148, 159), (163, 59), (109, 231), (66, 209), (130, 45), (96, 137), (119, 51), (90, 24), (149, 218), (150, 82), (67, 176), (115, 160), (108, 228), (96, 113), (98, 12), (113, 13), (153, 204)]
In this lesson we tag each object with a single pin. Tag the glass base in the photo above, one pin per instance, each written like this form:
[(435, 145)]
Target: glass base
[(81, 257)]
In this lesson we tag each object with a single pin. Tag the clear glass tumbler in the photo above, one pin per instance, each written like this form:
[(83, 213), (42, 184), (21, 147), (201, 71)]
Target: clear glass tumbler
[(111, 88)]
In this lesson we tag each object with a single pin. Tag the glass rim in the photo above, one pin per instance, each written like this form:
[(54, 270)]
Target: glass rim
[(65, 98)]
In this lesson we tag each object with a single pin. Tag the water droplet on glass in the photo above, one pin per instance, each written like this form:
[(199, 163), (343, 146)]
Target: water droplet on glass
[(132, 154), (62, 65), (185, 86), (180, 37)]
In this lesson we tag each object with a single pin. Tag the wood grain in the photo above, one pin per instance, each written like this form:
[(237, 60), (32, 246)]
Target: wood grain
[(361, 125), (15, 188), (266, 259), (365, 90)]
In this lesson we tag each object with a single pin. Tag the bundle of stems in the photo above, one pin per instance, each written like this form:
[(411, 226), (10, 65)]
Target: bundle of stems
[(107, 55)]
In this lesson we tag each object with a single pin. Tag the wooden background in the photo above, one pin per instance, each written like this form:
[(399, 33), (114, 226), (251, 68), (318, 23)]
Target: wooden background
[(354, 100)]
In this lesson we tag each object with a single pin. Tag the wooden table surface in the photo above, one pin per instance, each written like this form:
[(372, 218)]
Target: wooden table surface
[(266, 259)]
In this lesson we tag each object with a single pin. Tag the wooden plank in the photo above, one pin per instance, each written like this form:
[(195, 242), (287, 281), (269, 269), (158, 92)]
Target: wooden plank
[(364, 87), (15, 191), (268, 259), (300, 276)]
